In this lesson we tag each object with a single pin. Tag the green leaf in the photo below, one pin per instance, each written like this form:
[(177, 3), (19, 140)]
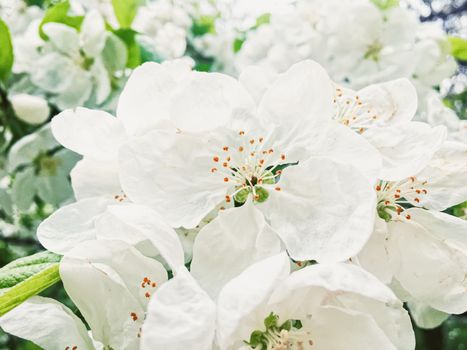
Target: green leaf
[(458, 48), (128, 36), (385, 4), (204, 25), (59, 14), (6, 52), (26, 277), (125, 11), (265, 18)]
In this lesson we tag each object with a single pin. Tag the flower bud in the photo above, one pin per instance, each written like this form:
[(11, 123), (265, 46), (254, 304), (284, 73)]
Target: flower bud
[(29, 108)]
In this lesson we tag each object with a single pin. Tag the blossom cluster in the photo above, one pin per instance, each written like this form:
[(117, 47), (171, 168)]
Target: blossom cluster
[(305, 209), (298, 196)]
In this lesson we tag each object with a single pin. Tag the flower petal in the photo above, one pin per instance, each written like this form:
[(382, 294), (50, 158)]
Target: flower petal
[(244, 295), (141, 221), (105, 280), (208, 101), (230, 243), (171, 172), (430, 268), (47, 323), (405, 148), (324, 211), (145, 100), (92, 133), (394, 101), (71, 224), (180, 316), (92, 178)]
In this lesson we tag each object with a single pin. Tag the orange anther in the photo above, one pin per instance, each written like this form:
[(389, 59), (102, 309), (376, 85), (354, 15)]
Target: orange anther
[(225, 148), (226, 179), (216, 159)]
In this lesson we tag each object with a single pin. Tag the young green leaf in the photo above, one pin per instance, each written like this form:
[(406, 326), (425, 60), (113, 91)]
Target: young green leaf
[(6, 52), (458, 48), (128, 36), (385, 4), (59, 14), (125, 11), (26, 277)]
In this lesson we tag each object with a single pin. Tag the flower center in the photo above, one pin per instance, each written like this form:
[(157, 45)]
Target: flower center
[(249, 167), (373, 51), (351, 111), (287, 336), (394, 197)]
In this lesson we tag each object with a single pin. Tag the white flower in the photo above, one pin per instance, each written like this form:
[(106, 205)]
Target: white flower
[(382, 114), (49, 324), (220, 153), (29, 108), (70, 65), (417, 246), (267, 307), (164, 25), (111, 283), (40, 168)]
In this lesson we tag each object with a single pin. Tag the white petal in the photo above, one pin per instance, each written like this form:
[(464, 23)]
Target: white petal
[(92, 133), (395, 101), (425, 316), (171, 172), (180, 316), (145, 100), (325, 211), (374, 256), (446, 176), (104, 280), (244, 295), (343, 145), (208, 101), (71, 224), (93, 34), (102, 82), (356, 330), (92, 178), (144, 222), (405, 148), (302, 95), (64, 38), (256, 80), (230, 243), (46, 323), (430, 269)]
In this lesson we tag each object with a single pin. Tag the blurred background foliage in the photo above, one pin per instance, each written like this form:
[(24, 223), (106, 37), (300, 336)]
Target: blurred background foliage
[(17, 243)]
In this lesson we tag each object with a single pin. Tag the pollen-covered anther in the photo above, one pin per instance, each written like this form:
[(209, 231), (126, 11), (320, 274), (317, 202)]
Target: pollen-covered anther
[(408, 217), (261, 139), (227, 199), (397, 196), (147, 295), (252, 141), (417, 200), (226, 179), (261, 161), (241, 132), (283, 156), (225, 148), (277, 188), (225, 164), (213, 170), (134, 316), (378, 188), (240, 149), (216, 159)]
